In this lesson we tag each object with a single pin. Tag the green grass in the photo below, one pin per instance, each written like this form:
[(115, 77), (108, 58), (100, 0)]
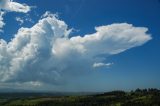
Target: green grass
[(116, 98)]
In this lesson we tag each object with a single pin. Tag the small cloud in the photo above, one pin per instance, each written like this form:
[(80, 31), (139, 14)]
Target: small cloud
[(24, 19), (9, 5), (1, 20), (98, 65), (28, 19), (20, 20)]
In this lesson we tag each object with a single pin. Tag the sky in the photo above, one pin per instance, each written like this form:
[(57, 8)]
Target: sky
[(79, 45)]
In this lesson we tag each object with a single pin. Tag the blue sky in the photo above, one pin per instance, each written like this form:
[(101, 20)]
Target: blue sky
[(138, 67)]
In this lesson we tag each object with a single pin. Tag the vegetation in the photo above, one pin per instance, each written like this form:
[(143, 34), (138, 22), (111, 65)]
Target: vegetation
[(145, 97)]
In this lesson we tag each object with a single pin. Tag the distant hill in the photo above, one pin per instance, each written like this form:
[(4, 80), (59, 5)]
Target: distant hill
[(11, 90), (139, 97)]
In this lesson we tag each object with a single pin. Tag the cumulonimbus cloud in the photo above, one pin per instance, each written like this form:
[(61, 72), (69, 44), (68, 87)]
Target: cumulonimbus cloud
[(46, 53)]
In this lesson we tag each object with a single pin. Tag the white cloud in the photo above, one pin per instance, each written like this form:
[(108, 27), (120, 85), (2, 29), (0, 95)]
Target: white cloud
[(45, 53), (1, 21), (27, 18), (20, 20), (10, 5), (97, 65), (113, 39)]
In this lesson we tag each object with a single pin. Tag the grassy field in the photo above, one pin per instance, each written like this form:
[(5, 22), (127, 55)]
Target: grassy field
[(145, 97)]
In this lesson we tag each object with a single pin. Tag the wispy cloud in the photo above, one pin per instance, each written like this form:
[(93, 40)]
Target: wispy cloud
[(20, 20), (97, 65)]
